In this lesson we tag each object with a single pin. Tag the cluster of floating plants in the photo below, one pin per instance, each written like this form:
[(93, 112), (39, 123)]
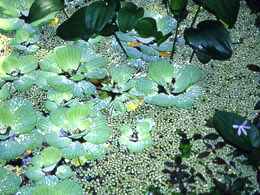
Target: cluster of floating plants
[(79, 85)]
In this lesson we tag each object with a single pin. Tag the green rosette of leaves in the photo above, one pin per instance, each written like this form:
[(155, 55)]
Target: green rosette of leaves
[(17, 128), (78, 131), (142, 140), (17, 70), (168, 85), (79, 63), (120, 87)]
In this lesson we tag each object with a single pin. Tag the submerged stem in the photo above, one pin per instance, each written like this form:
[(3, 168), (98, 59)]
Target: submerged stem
[(120, 44), (175, 38), (195, 17)]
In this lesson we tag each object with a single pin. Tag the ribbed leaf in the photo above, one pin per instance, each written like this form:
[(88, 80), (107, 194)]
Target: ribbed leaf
[(94, 151), (64, 172), (41, 9), (68, 57), (161, 100), (51, 156), (161, 72), (69, 187), (11, 150), (28, 64), (146, 85), (74, 150), (9, 181), (34, 173), (10, 23), (121, 74), (60, 83), (23, 83)]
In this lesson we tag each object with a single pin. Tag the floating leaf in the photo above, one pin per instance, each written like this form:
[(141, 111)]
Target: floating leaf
[(161, 99), (55, 140), (60, 83), (11, 149), (51, 156), (94, 151), (4, 93), (10, 23), (74, 150), (184, 101), (28, 64), (69, 187), (146, 85), (68, 57), (161, 72), (34, 173), (23, 83), (10, 64), (9, 182), (64, 172), (22, 35), (31, 140), (121, 74), (203, 154), (166, 24), (181, 83), (59, 117), (44, 189)]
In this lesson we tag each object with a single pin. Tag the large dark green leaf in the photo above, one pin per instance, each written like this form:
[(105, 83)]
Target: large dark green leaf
[(74, 28), (210, 40), (178, 8), (223, 122), (128, 16), (40, 9), (146, 27), (98, 15), (225, 10)]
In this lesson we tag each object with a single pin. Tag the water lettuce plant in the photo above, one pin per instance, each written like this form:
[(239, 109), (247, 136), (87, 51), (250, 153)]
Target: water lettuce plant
[(140, 140), (76, 131), (9, 181), (169, 85), (18, 133), (15, 71)]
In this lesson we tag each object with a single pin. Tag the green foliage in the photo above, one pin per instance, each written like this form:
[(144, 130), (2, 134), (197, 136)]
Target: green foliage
[(143, 138), (9, 182)]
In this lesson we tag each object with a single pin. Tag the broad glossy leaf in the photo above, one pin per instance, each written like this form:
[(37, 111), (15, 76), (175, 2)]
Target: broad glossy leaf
[(6, 117), (10, 23), (146, 85), (146, 28), (11, 150), (28, 64), (58, 97), (226, 11), (44, 189), (161, 99), (74, 28), (51, 156), (178, 7), (223, 122), (68, 57), (128, 15), (161, 72), (60, 83), (10, 64), (64, 172), (69, 187), (210, 40), (41, 9), (55, 140), (74, 150), (23, 83), (121, 74), (9, 181), (98, 15), (184, 101), (94, 151), (99, 133), (59, 117), (34, 173)]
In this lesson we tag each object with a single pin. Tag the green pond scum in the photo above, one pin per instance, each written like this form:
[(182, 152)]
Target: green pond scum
[(129, 97)]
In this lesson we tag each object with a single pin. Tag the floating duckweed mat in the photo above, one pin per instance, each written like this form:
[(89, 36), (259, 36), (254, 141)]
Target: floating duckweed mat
[(122, 143)]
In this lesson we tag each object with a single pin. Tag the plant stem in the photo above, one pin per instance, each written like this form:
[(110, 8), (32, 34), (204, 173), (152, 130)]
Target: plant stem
[(65, 13), (193, 52), (120, 44), (196, 15), (175, 38)]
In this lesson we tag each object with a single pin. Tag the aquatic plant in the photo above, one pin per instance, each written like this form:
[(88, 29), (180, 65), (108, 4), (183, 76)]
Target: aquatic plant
[(17, 124), (77, 131), (140, 140), (15, 71), (160, 88), (9, 181)]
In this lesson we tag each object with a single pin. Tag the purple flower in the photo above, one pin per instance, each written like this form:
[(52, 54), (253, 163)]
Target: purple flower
[(242, 128)]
